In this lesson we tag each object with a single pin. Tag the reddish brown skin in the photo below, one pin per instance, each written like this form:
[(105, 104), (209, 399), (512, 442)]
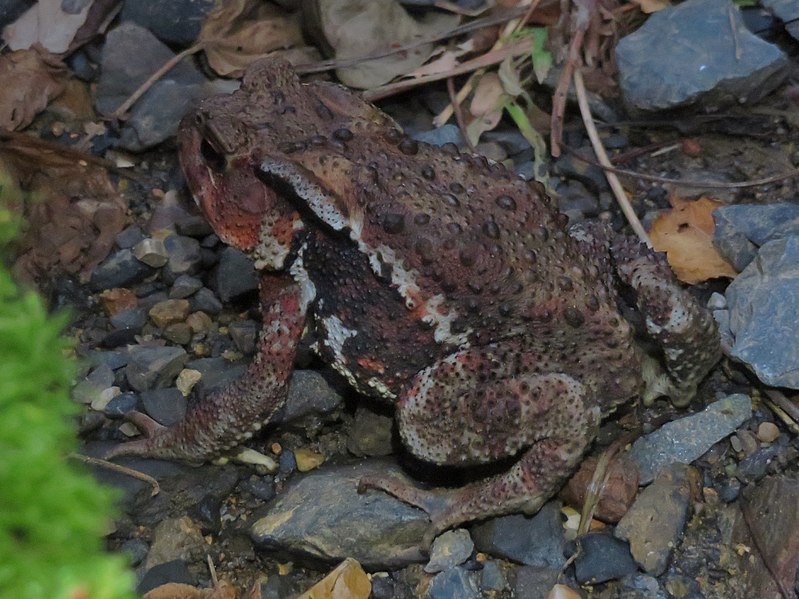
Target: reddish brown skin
[(432, 279)]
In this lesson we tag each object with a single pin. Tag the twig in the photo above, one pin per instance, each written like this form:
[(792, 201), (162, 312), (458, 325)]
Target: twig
[(681, 182), (156, 488), (493, 57), (784, 408), (120, 112), (511, 27), (459, 114), (602, 156), (22, 143)]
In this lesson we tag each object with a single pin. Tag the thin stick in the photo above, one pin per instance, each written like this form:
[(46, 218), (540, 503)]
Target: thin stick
[(682, 182), (459, 114), (156, 488), (120, 112), (599, 150)]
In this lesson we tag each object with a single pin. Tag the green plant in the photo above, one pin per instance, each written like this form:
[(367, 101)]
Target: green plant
[(52, 514)]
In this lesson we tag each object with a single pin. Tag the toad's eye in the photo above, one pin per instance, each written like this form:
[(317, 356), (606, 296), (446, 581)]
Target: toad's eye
[(215, 161)]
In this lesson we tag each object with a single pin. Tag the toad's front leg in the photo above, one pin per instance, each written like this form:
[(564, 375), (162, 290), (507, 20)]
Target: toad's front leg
[(482, 405), (226, 418)]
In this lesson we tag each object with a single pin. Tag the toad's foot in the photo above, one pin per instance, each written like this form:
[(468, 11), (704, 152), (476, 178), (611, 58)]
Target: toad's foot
[(225, 419)]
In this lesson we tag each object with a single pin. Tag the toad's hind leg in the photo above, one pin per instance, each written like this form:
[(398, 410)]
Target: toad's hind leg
[(473, 407)]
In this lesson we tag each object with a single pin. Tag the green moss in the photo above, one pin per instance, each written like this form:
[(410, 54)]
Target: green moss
[(53, 514)]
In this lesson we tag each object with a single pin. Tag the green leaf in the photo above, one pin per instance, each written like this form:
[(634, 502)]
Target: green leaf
[(542, 58)]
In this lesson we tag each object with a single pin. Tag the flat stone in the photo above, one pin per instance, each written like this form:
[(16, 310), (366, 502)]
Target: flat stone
[(120, 269), (655, 522), (532, 540), (684, 440), (322, 516)]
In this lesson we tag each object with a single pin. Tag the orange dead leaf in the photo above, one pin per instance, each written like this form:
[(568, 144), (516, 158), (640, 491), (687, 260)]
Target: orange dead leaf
[(176, 590), (239, 32), (686, 235)]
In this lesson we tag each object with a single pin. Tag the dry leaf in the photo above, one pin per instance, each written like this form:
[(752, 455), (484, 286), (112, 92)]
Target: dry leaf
[(74, 215), (176, 590), (650, 6), (357, 28), (685, 233), (239, 32), (443, 64), (47, 24), (487, 95), (347, 581), (30, 81)]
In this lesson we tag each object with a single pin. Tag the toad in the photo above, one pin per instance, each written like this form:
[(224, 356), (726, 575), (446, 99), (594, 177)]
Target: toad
[(431, 279)]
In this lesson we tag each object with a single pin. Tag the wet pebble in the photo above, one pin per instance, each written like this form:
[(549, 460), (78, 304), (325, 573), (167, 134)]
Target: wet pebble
[(454, 582), (184, 256), (602, 558), (165, 406), (168, 312), (120, 269), (235, 275), (206, 301), (154, 367), (532, 540), (244, 334), (370, 434), (449, 549), (185, 286), (152, 252)]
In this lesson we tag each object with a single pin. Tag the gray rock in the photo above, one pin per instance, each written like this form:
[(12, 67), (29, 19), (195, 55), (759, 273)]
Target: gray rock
[(175, 571), (788, 13), (130, 318), (205, 301), (762, 306), (533, 582), (184, 256), (440, 135), (185, 286), (154, 367), (10, 10), (602, 558), (450, 549), (322, 516), (308, 394), (120, 269), (741, 229), (193, 225), (121, 405), (235, 276), (771, 520), (455, 582), (151, 251), (131, 54), (174, 22), (244, 334), (686, 439), (175, 538), (165, 406), (128, 237), (532, 540), (640, 586), (216, 373), (686, 54), (370, 433), (492, 578), (90, 388), (654, 523)]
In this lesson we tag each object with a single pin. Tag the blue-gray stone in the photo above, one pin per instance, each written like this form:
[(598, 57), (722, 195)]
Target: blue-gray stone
[(684, 440), (762, 303), (687, 54), (741, 229)]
